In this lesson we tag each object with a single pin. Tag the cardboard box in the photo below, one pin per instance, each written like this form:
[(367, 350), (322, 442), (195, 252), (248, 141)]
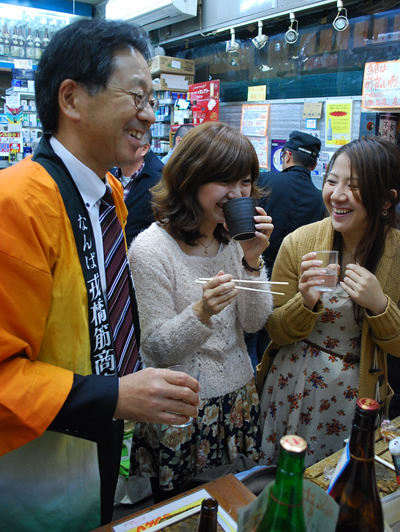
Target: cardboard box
[(174, 65), (172, 82)]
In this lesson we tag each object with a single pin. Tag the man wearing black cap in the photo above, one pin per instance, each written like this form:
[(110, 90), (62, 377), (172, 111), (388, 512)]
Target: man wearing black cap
[(293, 200)]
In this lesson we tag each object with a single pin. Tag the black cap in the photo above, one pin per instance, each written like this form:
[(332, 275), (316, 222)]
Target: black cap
[(303, 142)]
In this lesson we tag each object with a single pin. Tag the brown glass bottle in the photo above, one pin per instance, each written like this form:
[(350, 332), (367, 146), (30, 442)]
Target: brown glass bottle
[(208, 516), (355, 489)]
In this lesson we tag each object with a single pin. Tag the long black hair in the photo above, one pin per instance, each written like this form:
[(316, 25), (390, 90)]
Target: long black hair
[(375, 163)]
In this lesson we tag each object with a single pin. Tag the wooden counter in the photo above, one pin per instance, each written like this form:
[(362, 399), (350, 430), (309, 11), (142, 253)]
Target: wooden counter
[(386, 478), (230, 493)]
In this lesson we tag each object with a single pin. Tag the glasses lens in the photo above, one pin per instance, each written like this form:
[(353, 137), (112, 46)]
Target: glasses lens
[(281, 155), (154, 103), (141, 99)]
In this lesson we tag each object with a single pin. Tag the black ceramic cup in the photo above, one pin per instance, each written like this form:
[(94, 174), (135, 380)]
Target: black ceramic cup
[(239, 216)]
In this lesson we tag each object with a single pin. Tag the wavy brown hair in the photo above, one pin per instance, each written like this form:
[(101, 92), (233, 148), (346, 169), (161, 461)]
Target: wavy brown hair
[(211, 152)]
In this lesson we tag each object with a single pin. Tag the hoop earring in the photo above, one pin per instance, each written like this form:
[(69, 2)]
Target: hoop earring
[(385, 214)]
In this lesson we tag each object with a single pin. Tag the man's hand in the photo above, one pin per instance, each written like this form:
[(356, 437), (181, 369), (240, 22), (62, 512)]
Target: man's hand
[(152, 395)]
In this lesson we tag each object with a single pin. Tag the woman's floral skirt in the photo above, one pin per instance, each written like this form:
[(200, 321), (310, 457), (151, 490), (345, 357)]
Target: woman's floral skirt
[(225, 427)]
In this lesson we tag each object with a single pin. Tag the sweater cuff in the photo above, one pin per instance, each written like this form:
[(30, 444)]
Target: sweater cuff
[(385, 325), (302, 318)]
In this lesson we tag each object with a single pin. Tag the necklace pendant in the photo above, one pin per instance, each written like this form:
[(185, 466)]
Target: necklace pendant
[(206, 251)]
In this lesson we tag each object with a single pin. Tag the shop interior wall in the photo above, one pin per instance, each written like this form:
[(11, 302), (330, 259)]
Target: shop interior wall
[(286, 116)]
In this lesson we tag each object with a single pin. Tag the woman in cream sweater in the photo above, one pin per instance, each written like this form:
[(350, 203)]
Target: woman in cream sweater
[(201, 325), (330, 347)]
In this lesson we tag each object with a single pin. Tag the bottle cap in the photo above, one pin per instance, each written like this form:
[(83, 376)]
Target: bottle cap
[(293, 443), (368, 405), (394, 446)]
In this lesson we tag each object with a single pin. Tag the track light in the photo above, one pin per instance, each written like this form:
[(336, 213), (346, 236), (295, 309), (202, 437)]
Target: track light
[(292, 33), (232, 46), (260, 40), (341, 21)]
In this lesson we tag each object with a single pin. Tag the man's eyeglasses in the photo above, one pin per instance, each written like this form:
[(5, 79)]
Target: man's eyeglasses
[(140, 98)]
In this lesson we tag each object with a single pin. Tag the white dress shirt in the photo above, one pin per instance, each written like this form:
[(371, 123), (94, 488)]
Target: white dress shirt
[(92, 189)]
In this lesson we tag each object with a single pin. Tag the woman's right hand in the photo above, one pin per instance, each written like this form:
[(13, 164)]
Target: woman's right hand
[(308, 280), (217, 294)]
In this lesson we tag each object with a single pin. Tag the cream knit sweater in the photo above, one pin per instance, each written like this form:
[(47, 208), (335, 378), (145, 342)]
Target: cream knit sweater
[(171, 333)]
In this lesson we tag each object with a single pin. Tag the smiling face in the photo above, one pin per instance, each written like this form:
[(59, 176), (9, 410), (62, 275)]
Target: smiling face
[(348, 214), (212, 196), (112, 126)]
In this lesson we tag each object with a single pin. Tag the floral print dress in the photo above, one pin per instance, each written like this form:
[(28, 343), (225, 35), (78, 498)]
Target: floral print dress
[(225, 427), (312, 385)]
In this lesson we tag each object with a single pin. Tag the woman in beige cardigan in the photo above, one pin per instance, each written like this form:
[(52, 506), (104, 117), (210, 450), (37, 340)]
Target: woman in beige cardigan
[(328, 348)]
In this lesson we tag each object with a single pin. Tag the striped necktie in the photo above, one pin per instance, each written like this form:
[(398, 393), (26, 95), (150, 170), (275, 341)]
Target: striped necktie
[(118, 294)]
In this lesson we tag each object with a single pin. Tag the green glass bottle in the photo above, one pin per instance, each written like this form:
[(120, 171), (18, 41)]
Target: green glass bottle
[(355, 489), (284, 512)]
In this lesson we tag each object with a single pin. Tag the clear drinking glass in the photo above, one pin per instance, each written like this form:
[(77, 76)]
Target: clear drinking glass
[(330, 265), (194, 372)]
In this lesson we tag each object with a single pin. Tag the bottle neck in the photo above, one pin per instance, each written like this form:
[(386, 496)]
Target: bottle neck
[(362, 438), (288, 486), (362, 442)]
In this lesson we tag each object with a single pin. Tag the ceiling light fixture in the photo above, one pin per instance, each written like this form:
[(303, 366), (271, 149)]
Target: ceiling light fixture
[(292, 33), (260, 40), (232, 46), (341, 21)]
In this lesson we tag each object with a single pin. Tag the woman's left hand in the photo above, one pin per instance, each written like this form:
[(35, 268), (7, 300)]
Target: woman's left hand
[(254, 248), (364, 288)]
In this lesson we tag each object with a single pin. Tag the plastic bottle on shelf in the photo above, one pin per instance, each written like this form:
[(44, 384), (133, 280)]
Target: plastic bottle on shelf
[(208, 516), (355, 488), (27, 150), (186, 115), (284, 512)]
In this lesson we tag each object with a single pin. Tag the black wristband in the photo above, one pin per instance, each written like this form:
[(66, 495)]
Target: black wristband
[(250, 269)]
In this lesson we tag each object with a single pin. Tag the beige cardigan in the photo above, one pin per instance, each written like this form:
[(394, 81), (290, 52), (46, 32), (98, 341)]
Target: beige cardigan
[(291, 321)]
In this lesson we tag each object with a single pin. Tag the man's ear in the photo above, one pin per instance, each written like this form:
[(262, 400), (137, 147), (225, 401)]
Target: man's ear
[(145, 149), (69, 98)]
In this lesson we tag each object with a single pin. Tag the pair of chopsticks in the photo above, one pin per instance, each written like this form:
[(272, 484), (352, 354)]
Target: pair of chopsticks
[(385, 463), (203, 280)]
